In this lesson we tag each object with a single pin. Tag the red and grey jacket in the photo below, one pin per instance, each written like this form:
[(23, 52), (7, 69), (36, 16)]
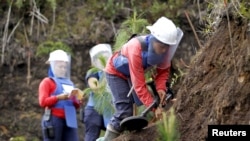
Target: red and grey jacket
[(136, 54)]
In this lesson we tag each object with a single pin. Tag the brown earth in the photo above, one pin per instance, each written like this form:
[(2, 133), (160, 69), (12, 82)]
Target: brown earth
[(214, 89)]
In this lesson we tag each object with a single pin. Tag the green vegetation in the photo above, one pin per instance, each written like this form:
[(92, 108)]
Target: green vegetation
[(133, 25), (242, 8), (176, 76), (49, 46), (167, 127), (218, 9), (102, 95)]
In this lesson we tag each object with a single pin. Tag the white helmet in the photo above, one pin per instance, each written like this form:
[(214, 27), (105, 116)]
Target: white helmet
[(164, 30), (97, 51), (58, 55)]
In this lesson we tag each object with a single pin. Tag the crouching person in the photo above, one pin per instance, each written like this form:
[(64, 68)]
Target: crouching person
[(139, 54)]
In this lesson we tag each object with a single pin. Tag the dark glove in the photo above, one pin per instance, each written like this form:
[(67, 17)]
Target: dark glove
[(170, 95)]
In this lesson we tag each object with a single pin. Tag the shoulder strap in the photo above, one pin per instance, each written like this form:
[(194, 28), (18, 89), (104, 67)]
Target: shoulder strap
[(143, 43), (141, 40)]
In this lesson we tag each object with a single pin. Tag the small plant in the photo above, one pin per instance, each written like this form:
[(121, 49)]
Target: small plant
[(176, 77), (168, 127)]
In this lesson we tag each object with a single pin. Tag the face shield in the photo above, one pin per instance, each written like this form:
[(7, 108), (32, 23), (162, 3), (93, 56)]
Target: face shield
[(155, 58), (59, 62), (163, 60), (99, 55), (60, 69)]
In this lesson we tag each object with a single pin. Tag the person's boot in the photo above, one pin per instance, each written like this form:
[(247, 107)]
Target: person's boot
[(110, 134)]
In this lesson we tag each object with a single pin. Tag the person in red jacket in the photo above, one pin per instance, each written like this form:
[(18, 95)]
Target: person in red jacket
[(128, 66), (59, 122)]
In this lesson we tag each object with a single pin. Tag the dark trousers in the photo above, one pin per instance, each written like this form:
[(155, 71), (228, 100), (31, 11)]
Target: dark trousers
[(61, 130), (123, 104), (93, 124)]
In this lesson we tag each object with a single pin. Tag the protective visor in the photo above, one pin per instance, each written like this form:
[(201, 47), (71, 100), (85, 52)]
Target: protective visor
[(163, 61), (59, 69), (99, 54)]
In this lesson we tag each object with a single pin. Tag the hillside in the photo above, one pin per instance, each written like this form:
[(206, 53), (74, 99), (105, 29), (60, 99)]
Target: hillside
[(216, 87), (212, 89)]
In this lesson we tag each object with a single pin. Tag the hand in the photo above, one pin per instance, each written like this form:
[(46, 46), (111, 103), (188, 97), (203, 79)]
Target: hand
[(77, 93), (62, 96), (162, 95), (158, 113), (82, 100), (93, 83)]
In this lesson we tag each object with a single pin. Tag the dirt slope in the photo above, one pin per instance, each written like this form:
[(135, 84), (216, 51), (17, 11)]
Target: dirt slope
[(216, 89)]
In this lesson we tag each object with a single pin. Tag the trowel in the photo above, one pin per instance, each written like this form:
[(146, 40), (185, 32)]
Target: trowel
[(139, 122)]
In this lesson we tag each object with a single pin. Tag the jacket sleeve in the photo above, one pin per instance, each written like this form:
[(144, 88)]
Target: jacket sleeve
[(161, 78), (46, 88), (132, 50)]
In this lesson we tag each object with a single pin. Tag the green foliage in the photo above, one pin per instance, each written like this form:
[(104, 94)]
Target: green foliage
[(244, 9), (169, 9), (20, 138), (158, 7), (102, 95), (167, 127), (111, 7), (49, 46), (103, 60), (133, 25), (108, 8), (52, 3), (26, 4), (19, 3), (216, 9), (103, 99), (176, 77)]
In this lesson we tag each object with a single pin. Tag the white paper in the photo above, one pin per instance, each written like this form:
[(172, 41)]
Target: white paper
[(67, 88)]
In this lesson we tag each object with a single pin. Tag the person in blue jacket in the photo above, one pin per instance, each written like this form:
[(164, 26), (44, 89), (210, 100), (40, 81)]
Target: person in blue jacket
[(95, 121)]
